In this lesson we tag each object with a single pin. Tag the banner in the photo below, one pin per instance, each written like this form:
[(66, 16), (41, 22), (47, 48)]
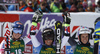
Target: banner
[(48, 21), (6, 18), (28, 49)]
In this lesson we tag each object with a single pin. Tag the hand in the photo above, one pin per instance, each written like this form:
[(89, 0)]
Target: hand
[(66, 23), (37, 16), (66, 19)]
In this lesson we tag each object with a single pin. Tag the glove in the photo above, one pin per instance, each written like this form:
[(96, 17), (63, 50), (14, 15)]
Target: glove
[(66, 19), (37, 17), (66, 23)]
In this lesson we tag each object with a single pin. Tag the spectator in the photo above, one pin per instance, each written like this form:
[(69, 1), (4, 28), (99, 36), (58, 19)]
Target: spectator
[(55, 6), (1, 8), (98, 7), (22, 5), (80, 8), (35, 5), (90, 7), (43, 7), (70, 2), (84, 4), (29, 8), (47, 4), (63, 5), (79, 3), (73, 7)]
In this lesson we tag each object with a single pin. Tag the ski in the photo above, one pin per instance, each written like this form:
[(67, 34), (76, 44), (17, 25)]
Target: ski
[(7, 34), (96, 35), (58, 34)]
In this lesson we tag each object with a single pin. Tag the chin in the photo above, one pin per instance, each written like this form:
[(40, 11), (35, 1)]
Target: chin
[(49, 44), (84, 43)]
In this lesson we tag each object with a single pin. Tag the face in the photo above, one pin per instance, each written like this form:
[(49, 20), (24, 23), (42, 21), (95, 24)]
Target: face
[(84, 38), (20, 3), (16, 35), (43, 7), (48, 42), (17, 32), (80, 9)]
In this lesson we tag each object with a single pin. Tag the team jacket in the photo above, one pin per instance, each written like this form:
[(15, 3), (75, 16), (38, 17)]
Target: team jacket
[(16, 47), (78, 48)]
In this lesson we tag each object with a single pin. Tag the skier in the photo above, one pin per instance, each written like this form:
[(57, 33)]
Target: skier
[(81, 47), (47, 35), (17, 43)]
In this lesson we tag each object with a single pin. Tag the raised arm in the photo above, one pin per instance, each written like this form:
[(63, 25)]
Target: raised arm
[(66, 28), (66, 25), (35, 20)]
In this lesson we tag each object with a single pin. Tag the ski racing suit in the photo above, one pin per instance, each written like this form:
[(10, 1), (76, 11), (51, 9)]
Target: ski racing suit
[(16, 47), (77, 47), (38, 48)]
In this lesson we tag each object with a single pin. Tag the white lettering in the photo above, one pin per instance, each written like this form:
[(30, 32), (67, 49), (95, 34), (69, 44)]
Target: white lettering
[(58, 34), (28, 22), (45, 23)]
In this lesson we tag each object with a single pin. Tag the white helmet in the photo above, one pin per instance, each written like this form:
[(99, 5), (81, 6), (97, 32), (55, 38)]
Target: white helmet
[(84, 30)]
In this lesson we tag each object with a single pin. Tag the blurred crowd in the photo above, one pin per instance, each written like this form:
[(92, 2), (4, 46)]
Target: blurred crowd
[(56, 5)]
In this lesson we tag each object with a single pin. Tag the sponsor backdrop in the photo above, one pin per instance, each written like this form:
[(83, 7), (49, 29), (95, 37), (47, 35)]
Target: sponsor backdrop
[(48, 20)]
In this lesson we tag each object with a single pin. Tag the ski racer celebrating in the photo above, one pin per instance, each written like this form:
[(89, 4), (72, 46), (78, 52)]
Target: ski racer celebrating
[(47, 35), (17, 44), (81, 47)]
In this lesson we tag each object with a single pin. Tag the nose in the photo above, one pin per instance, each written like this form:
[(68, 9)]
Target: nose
[(18, 33)]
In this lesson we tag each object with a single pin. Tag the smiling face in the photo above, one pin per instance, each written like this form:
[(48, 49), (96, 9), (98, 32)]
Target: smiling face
[(16, 35), (48, 42), (84, 38), (17, 32)]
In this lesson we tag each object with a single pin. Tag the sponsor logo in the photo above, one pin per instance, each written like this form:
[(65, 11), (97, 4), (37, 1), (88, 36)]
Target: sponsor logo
[(69, 50), (85, 48), (16, 43), (49, 49)]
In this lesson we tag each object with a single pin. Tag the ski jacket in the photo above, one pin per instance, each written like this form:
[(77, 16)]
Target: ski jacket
[(80, 49), (77, 47), (38, 48), (16, 47)]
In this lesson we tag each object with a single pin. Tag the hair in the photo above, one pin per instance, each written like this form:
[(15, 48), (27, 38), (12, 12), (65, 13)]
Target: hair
[(43, 4), (80, 37), (98, 2)]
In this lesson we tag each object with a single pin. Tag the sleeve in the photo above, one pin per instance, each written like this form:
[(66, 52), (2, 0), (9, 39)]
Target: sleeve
[(26, 39), (34, 40), (36, 50), (72, 42), (64, 41)]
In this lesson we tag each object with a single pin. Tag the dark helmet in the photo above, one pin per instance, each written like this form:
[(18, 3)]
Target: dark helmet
[(48, 33), (17, 27)]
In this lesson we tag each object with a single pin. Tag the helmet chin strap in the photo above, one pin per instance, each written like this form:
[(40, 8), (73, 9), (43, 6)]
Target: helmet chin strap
[(87, 44)]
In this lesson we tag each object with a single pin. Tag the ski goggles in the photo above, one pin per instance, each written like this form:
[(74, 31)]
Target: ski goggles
[(16, 30), (48, 37)]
